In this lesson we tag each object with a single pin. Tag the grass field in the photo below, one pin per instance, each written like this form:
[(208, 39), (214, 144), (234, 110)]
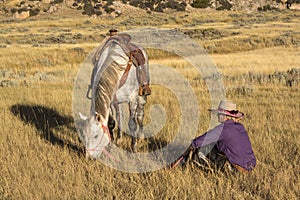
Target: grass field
[(42, 158)]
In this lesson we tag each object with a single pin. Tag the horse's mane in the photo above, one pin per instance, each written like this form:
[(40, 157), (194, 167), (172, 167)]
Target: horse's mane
[(107, 82)]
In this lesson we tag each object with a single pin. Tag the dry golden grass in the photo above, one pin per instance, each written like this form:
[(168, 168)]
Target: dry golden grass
[(264, 61), (41, 157)]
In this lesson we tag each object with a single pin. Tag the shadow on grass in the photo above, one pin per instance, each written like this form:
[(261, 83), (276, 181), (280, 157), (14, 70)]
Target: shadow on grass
[(45, 121), (154, 144)]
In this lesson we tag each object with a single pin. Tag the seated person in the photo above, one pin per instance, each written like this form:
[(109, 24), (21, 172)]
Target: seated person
[(227, 145)]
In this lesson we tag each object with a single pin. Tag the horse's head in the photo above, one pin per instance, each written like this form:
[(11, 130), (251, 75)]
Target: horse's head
[(94, 136)]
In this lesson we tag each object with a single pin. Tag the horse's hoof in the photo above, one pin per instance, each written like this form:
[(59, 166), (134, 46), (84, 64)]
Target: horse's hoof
[(133, 147), (141, 136)]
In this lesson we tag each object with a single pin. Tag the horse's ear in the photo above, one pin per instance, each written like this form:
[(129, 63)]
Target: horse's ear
[(82, 116), (97, 117)]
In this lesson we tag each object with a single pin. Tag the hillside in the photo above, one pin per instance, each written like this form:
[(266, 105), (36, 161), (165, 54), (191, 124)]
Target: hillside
[(217, 31), (101, 8)]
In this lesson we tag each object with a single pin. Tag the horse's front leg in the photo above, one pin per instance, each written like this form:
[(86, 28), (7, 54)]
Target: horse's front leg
[(111, 125), (140, 115), (136, 117), (118, 118), (132, 124)]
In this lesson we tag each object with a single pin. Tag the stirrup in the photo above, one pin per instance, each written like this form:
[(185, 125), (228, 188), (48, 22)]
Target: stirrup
[(144, 90)]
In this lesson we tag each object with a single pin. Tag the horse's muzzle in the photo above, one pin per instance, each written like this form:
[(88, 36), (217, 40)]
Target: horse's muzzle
[(88, 155)]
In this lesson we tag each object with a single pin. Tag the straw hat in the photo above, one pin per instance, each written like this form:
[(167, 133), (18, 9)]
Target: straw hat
[(227, 107)]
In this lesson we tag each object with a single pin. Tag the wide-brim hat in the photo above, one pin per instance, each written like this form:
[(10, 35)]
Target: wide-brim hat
[(227, 107)]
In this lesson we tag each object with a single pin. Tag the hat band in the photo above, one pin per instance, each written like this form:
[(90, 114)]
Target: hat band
[(233, 113)]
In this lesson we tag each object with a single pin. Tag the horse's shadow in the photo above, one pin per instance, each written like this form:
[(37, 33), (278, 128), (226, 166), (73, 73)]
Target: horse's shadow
[(154, 145), (45, 120)]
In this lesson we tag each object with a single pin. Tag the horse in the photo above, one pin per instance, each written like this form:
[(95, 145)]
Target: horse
[(113, 81)]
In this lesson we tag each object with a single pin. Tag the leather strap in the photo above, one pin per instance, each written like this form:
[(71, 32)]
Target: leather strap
[(126, 72)]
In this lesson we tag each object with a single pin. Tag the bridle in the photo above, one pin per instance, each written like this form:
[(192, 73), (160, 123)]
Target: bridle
[(106, 131)]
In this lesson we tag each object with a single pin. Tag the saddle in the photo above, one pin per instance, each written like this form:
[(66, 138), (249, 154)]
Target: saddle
[(135, 56), (134, 53)]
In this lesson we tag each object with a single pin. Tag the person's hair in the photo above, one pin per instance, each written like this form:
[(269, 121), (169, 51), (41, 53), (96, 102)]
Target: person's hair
[(233, 118)]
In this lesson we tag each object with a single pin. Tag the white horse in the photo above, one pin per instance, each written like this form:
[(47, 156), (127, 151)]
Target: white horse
[(113, 81)]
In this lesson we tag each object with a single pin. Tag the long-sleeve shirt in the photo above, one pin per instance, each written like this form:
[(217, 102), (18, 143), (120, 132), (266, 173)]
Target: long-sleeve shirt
[(232, 139)]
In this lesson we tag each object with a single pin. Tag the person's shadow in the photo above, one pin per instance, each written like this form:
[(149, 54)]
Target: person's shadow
[(46, 120)]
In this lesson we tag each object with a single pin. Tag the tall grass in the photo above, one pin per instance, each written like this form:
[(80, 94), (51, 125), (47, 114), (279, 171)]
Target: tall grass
[(36, 164)]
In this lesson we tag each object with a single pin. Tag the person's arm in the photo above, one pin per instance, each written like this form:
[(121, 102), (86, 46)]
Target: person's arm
[(209, 137)]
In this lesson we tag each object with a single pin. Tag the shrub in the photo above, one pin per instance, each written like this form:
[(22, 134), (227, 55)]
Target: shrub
[(98, 12), (225, 5), (149, 5), (241, 90), (266, 8), (293, 77), (13, 10), (135, 3), (109, 2), (160, 7), (34, 12), (108, 9), (200, 4), (88, 9), (181, 6), (22, 10)]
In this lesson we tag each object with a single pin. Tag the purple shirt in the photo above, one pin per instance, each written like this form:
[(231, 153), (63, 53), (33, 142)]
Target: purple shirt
[(232, 139)]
